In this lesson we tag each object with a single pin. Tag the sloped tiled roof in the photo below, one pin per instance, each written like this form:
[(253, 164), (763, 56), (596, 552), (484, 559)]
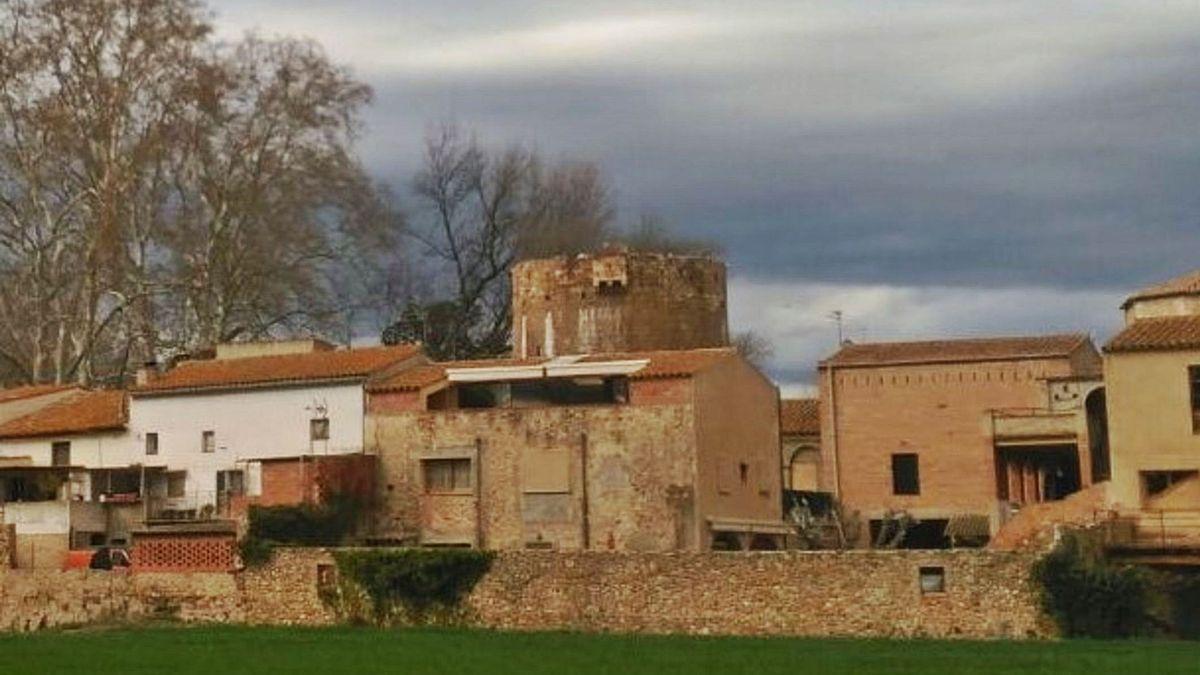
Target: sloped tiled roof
[(956, 351), (30, 391), (799, 416), (662, 364), (87, 411), (1186, 284), (278, 369), (1161, 333)]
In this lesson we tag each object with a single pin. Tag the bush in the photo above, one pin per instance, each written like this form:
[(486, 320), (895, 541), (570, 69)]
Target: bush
[(1087, 595), (328, 524), (255, 552), (421, 583)]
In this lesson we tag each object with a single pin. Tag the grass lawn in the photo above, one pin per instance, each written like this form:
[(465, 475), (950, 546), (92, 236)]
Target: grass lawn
[(231, 650)]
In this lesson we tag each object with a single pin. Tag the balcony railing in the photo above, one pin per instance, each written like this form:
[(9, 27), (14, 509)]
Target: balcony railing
[(1034, 423), (1157, 530)]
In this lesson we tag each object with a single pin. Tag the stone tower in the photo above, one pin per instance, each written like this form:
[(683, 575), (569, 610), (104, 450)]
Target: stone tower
[(618, 301)]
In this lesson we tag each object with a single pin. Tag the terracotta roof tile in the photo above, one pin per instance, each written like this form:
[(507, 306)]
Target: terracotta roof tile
[(1186, 284), (279, 369), (677, 363), (87, 411), (1163, 333), (954, 351), (799, 416), (31, 390)]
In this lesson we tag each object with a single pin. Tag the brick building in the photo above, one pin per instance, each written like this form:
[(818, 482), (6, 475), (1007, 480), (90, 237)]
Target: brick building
[(959, 433), (618, 301), (636, 451)]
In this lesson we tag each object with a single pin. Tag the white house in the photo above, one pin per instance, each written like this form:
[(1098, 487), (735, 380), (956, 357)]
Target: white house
[(205, 425)]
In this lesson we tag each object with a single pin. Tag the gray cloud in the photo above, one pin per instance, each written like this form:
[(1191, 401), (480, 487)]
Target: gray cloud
[(1037, 154)]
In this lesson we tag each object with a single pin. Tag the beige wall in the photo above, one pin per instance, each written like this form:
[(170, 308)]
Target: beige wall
[(737, 423), (938, 411), (1149, 418), (1159, 307)]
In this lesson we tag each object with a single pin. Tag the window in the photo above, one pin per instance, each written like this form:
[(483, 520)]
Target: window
[(60, 453), (1194, 380), (318, 429), (447, 475), (906, 474), (176, 483), (208, 441), (932, 580), (232, 482), (152, 443), (743, 472)]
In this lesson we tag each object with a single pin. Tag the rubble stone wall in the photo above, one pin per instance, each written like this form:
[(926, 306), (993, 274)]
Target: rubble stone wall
[(858, 593)]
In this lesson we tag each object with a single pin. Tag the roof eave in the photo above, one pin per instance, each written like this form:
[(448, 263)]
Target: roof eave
[(230, 387)]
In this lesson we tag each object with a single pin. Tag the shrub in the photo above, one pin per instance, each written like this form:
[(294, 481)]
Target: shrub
[(1089, 597), (420, 583), (328, 524)]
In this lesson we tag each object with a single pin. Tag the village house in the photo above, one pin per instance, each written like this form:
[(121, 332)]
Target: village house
[(253, 423), (65, 476), (959, 434), (1152, 371), (800, 443), (660, 450)]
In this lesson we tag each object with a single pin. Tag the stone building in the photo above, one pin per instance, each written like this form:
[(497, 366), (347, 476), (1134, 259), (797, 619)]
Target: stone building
[(1152, 370), (661, 450), (618, 301), (958, 434), (800, 443)]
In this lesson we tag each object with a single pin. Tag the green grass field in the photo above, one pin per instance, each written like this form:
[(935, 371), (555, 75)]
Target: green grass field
[(231, 650)]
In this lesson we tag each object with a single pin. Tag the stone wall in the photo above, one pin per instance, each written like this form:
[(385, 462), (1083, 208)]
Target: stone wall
[(859, 593), (7, 537), (37, 599)]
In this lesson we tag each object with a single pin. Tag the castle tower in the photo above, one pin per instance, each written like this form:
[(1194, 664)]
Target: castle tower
[(618, 301)]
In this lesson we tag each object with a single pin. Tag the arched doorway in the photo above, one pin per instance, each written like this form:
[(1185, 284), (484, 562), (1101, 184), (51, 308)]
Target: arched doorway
[(1097, 421)]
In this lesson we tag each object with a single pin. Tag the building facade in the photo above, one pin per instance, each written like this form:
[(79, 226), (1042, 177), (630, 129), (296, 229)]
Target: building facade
[(672, 450), (1152, 369), (618, 301), (958, 434)]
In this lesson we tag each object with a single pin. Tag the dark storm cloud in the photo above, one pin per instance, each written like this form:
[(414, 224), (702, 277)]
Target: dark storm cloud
[(1049, 148)]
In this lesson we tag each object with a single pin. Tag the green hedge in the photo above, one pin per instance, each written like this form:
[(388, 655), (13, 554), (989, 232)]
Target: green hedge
[(416, 585), (1089, 596), (329, 524)]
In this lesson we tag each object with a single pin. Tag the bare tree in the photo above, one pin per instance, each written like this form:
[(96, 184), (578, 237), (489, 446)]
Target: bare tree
[(160, 192), (754, 347), (651, 232), (486, 209)]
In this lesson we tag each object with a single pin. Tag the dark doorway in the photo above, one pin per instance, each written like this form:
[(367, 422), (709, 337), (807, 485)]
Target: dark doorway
[(1097, 422)]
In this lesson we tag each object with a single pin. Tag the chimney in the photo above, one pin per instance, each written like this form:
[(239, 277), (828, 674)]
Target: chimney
[(147, 373)]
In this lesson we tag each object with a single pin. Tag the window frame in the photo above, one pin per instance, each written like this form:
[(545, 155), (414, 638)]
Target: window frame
[(465, 469), (151, 448), (899, 487), (314, 425), (57, 447), (208, 442)]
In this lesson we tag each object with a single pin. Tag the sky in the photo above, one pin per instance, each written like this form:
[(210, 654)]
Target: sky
[(934, 168)]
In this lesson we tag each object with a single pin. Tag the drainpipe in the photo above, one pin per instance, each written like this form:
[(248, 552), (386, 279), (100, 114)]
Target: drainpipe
[(585, 523)]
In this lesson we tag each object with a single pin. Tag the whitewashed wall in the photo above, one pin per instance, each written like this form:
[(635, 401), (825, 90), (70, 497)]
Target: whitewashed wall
[(108, 450), (249, 424)]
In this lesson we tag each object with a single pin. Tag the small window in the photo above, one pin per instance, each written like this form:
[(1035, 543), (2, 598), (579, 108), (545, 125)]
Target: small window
[(326, 576), (152, 443), (743, 472), (208, 441), (1194, 379), (447, 475), (60, 453), (932, 580), (318, 429), (906, 474)]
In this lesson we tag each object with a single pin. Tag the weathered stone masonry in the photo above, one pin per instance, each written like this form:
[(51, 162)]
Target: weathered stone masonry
[(859, 593)]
